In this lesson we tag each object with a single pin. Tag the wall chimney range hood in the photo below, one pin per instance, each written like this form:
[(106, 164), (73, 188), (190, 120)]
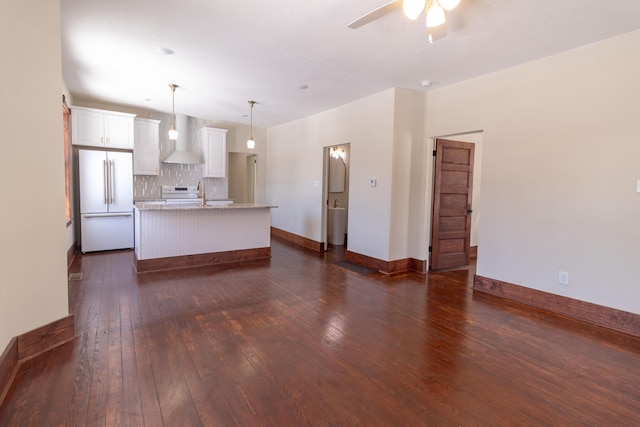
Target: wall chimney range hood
[(182, 155)]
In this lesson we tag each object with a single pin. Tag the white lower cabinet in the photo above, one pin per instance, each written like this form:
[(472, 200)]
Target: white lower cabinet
[(214, 149), (146, 147)]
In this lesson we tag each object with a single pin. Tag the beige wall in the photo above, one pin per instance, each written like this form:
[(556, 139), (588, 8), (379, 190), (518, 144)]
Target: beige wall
[(408, 141), (560, 164), (33, 289), (295, 171)]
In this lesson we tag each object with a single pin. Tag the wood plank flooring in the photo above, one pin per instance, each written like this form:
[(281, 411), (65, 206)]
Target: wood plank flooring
[(297, 340)]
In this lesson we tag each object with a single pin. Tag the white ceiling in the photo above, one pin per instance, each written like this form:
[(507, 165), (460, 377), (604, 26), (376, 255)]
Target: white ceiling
[(230, 52)]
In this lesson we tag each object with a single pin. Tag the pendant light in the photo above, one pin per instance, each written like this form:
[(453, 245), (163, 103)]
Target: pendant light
[(413, 8), (173, 132), (251, 144), (435, 15)]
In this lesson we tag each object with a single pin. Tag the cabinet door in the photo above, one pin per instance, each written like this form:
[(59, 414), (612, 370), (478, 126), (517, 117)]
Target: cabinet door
[(118, 131), (215, 152), (146, 150), (87, 128)]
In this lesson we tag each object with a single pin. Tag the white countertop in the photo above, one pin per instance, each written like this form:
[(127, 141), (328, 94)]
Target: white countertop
[(155, 207)]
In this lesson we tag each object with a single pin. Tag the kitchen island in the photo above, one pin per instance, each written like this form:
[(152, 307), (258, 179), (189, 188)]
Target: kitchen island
[(180, 236)]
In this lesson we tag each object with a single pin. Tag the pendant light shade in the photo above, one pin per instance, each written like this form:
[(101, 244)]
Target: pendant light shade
[(251, 144), (173, 132), (413, 8), (435, 15)]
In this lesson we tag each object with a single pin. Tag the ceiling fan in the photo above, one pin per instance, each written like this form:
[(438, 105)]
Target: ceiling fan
[(435, 11)]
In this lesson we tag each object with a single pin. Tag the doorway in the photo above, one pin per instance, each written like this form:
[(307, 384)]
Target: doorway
[(456, 199), (242, 177), (336, 195)]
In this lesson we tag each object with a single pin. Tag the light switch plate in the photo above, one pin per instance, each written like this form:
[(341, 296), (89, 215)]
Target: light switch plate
[(638, 186), (372, 182)]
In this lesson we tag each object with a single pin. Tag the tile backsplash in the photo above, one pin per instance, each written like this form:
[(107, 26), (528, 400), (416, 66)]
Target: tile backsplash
[(147, 187)]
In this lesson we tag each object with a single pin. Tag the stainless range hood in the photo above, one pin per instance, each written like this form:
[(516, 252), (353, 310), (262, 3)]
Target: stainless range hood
[(182, 155)]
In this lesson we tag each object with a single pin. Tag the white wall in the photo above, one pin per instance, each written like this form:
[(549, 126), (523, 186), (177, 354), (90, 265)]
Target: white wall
[(294, 178), (408, 141), (560, 163), (237, 143), (33, 289)]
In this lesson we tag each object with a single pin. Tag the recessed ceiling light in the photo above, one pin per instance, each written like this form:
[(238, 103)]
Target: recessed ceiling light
[(303, 86), (147, 99), (425, 83), (163, 50)]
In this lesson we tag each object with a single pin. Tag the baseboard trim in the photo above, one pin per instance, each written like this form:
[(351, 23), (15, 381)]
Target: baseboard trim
[(473, 252), (32, 344), (607, 317), (201, 260), (385, 267), (418, 265), (45, 338), (298, 240), (388, 267), (71, 255), (8, 367)]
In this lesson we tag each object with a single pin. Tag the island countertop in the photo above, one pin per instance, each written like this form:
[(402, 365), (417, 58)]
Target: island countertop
[(154, 206), (192, 235)]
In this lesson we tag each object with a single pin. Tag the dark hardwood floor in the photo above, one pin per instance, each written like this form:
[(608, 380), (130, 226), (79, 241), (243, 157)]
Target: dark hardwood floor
[(298, 340)]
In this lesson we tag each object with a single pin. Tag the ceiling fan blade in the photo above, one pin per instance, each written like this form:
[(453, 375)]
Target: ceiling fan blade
[(376, 14)]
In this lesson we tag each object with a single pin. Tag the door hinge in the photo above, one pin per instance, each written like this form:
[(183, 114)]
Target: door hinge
[(434, 153), (430, 248)]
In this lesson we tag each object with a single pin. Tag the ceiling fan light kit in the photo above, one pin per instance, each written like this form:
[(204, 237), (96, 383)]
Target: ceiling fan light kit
[(435, 15), (435, 11), (413, 8)]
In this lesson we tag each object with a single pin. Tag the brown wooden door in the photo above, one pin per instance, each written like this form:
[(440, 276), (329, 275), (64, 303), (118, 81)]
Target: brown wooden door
[(451, 223)]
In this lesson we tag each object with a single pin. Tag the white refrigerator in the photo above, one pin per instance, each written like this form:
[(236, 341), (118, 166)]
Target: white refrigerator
[(106, 200)]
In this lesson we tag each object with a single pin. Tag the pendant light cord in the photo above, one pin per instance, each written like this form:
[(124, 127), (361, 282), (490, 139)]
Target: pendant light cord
[(251, 115)]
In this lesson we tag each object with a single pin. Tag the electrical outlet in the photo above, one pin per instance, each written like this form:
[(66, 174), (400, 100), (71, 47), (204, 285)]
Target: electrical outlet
[(563, 277)]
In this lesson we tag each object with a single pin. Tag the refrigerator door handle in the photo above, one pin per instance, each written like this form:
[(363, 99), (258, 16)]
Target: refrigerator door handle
[(112, 188), (107, 215), (105, 182)]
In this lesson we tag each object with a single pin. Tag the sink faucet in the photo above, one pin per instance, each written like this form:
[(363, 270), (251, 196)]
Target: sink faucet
[(198, 188)]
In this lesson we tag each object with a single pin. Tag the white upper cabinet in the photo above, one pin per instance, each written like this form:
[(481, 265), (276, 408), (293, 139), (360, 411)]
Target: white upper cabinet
[(101, 128), (214, 148), (146, 147)]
